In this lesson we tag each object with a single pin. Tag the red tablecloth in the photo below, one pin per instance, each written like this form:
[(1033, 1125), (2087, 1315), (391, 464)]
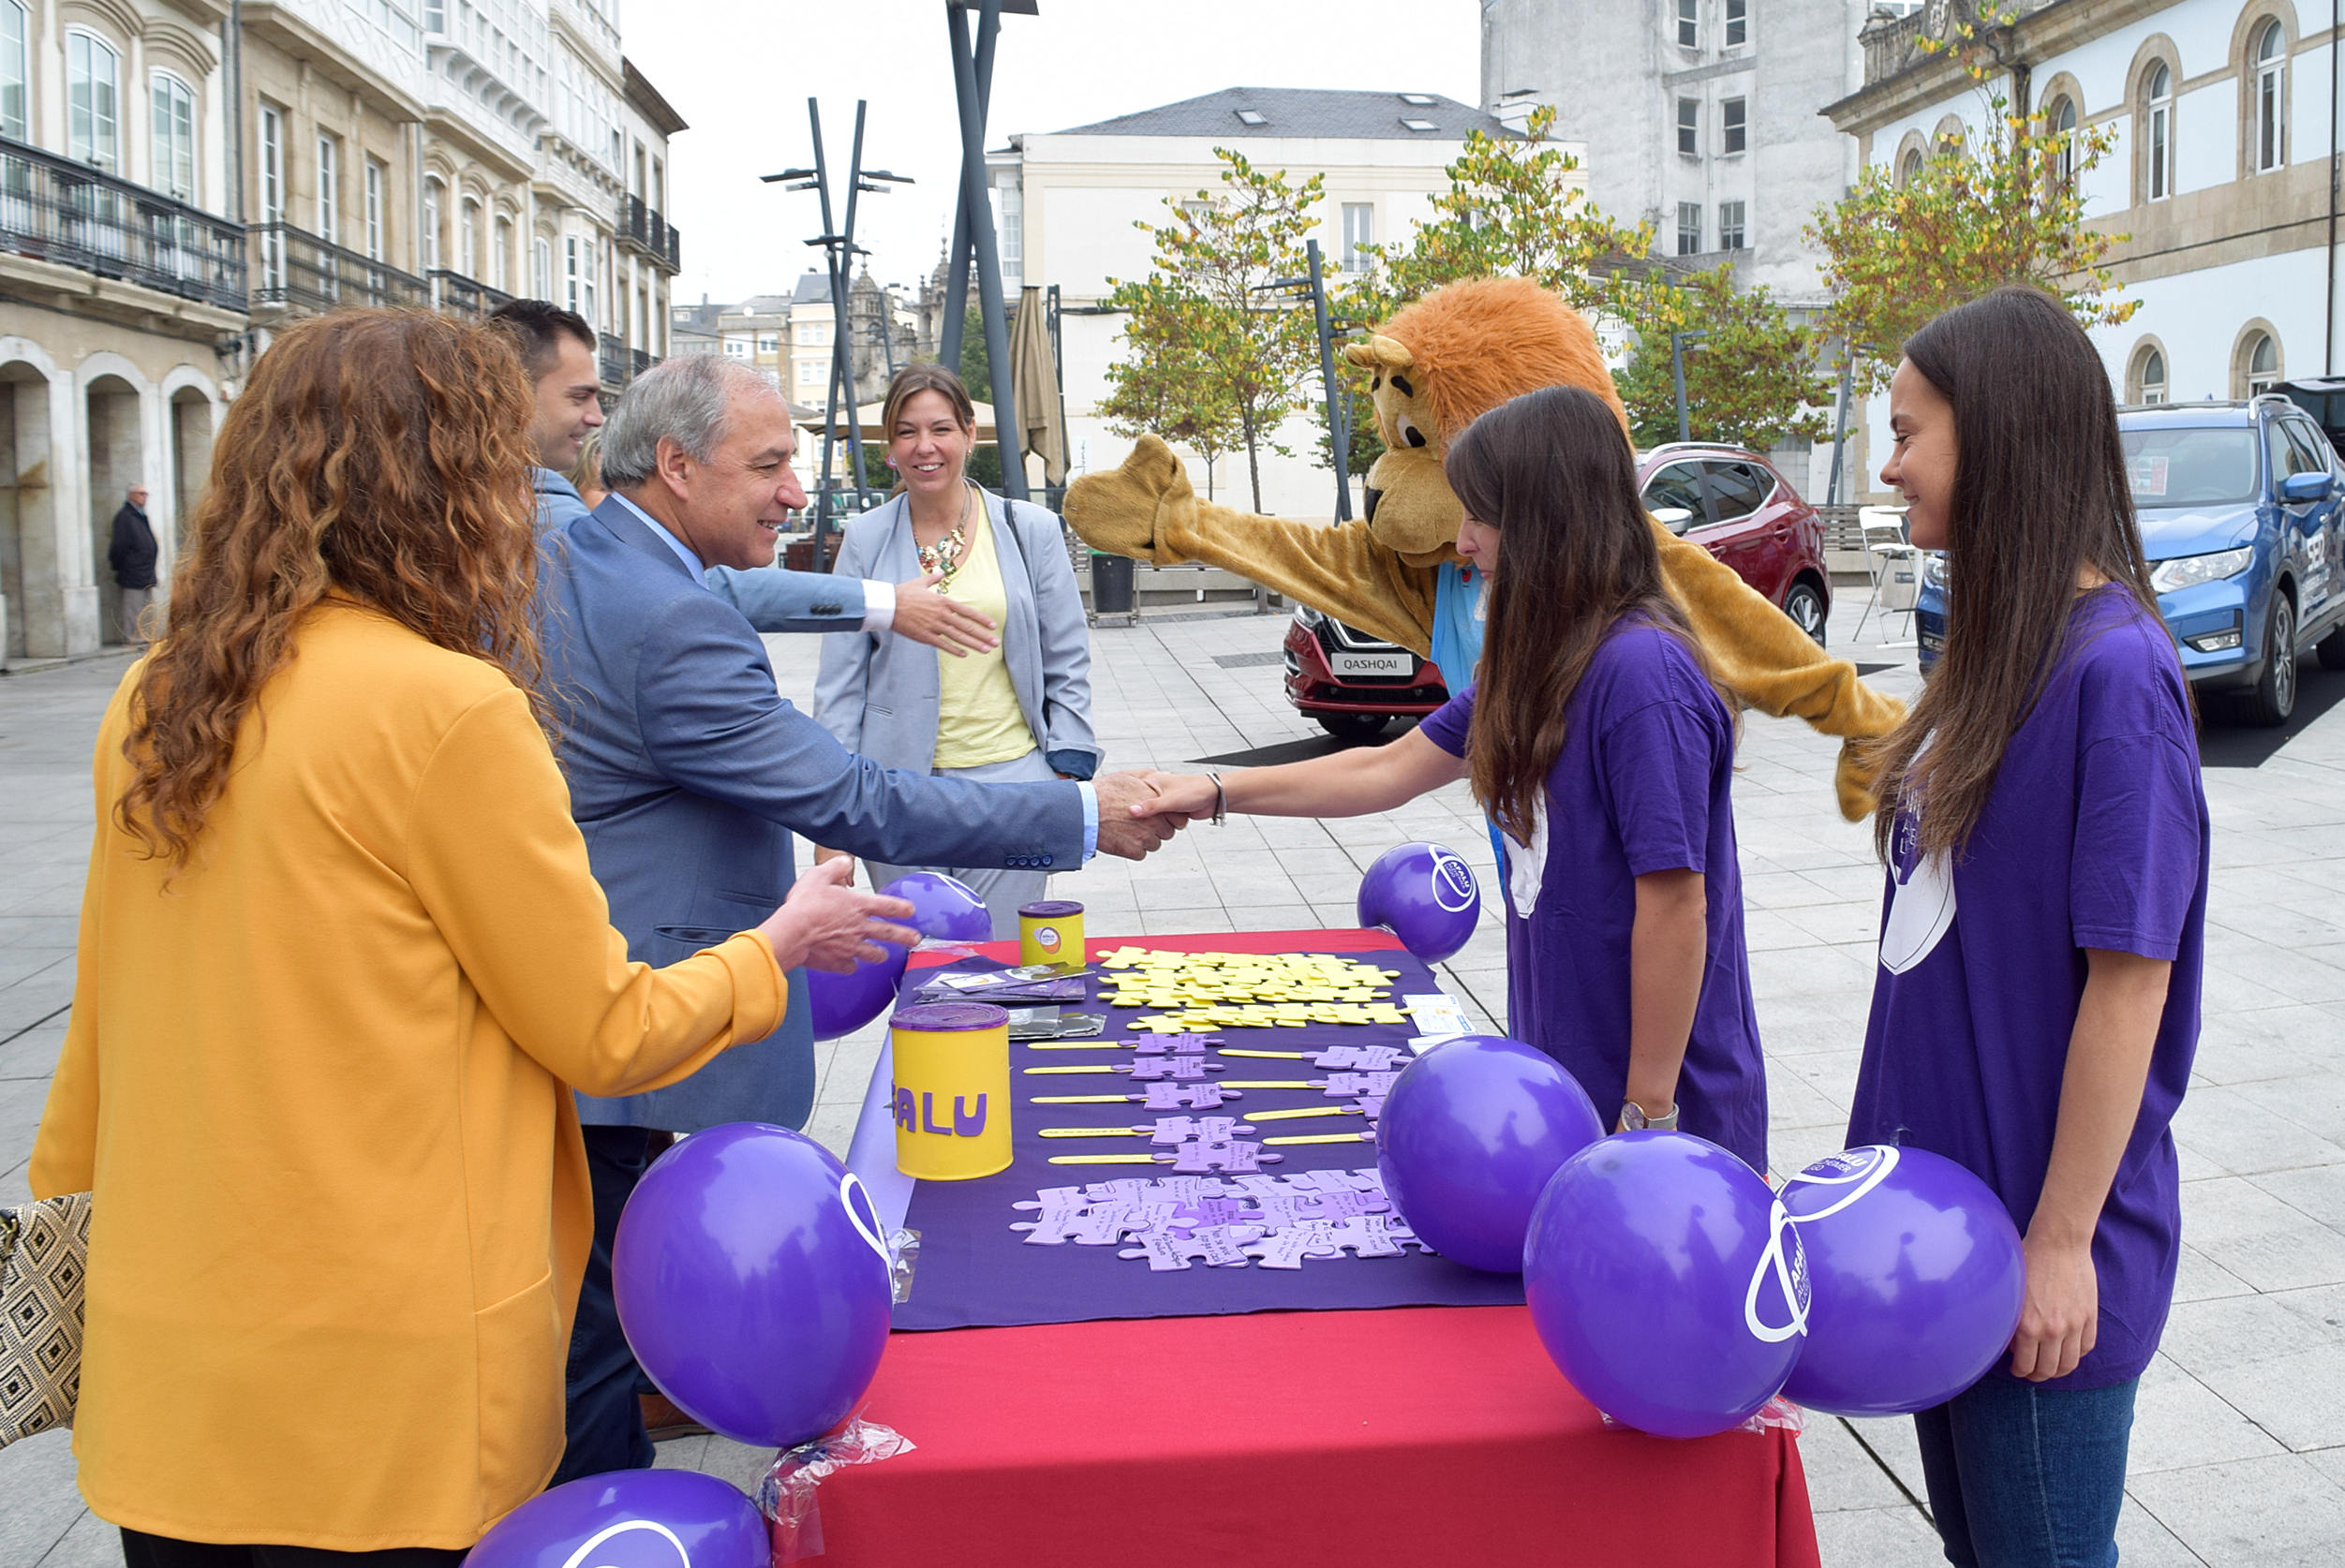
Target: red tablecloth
[(1441, 1434)]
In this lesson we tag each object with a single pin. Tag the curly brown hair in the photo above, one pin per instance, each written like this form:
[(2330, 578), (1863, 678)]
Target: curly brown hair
[(378, 455)]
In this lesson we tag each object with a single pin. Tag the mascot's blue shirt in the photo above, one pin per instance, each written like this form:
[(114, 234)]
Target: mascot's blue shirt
[(1460, 619)]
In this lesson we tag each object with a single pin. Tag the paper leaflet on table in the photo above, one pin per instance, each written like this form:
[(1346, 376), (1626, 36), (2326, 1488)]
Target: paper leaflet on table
[(786, 1496), (1438, 1016)]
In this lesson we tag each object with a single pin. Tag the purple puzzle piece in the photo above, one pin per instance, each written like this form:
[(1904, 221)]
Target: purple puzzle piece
[(1182, 1069), (1215, 1247), (1371, 1105), (1212, 1212), (1172, 1131), (1202, 1096), (1370, 1058), (1235, 1156), (1178, 1045), (1288, 1249), (1054, 1222)]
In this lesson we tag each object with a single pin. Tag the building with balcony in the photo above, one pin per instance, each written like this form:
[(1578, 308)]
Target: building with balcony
[(123, 269), (2220, 180)]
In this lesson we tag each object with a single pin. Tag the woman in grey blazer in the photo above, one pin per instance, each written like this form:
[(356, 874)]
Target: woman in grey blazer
[(1020, 712)]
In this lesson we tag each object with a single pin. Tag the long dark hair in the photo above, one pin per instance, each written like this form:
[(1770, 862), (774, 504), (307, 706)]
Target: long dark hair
[(1553, 473), (2040, 496)]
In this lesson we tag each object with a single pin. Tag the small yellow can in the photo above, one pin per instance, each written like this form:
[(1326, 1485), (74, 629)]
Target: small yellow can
[(1050, 933), (950, 1090)]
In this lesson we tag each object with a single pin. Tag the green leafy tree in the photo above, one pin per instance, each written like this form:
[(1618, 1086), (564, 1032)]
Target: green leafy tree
[(1899, 251), (1163, 386), (1751, 380), (1250, 350), (1515, 207)]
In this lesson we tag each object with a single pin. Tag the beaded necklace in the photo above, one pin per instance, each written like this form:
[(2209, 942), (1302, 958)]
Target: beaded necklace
[(944, 555)]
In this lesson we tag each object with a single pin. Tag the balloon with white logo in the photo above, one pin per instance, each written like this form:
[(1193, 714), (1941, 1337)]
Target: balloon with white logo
[(753, 1279), (630, 1519), (1666, 1282), (1423, 893), (1917, 1275), (943, 908)]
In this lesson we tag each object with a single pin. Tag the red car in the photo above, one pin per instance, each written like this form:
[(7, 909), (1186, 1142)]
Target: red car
[(1730, 502), (1736, 506)]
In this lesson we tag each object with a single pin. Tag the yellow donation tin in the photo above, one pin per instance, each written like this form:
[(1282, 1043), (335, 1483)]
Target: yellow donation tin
[(950, 1091), (1050, 933)]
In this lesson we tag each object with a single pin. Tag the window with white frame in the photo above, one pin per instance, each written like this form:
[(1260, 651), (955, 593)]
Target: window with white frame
[(15, 71), (569, 273), (1738, 22), (1009, 208), (1689, 228), (2263, 360), (431, 202), (2063, 123), (272, 164), (374, 178), (2157, 132), (1733, 125), (2270, 146), (1689, 24), (500, 254), (93, 105), (738, 344), (810, 372), (590, 279), (542, 268), (2152, 388), (769, 343), (1909, 166), (1689, 127), (329, 189), (1730, 223), (468, 238), (174, 137), (1359, 232)]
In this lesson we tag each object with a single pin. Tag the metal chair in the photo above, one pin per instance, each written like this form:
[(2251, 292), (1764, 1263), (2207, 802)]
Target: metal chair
[(1893, 566)]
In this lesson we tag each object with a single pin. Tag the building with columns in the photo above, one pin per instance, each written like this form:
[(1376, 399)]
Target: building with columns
[(175, 187)]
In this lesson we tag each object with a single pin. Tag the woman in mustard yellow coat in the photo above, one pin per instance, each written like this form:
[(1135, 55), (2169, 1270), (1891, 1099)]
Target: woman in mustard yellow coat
[(341, 960)]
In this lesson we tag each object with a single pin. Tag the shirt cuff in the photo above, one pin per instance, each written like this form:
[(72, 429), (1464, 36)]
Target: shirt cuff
[(879, 605), (1091, 819)]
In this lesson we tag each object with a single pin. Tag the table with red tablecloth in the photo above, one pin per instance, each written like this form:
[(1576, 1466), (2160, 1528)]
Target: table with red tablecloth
[(1440, 1433)]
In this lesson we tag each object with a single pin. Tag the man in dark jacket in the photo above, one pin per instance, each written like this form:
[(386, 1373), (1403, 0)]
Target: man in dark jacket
[(132, 557)]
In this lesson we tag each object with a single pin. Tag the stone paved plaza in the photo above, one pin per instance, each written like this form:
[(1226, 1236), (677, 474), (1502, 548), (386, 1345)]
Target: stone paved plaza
[(2238, 1458)]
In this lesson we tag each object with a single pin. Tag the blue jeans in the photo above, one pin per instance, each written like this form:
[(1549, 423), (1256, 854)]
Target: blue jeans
[(2028, 1477), (605, 1423)]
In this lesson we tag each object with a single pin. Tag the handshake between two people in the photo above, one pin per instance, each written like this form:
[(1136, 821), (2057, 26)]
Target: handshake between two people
[(828, 923)]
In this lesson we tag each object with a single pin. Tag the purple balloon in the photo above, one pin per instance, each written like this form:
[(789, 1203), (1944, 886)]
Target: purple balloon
[(943, 908), (1917, 1276), (1424, 895), (753, 1283), (1666, 1282), (843, 1003), (630, 1519), (1470, 1136)]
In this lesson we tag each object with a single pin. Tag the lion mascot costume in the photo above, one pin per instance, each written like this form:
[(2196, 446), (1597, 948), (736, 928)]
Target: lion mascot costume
[(1436, 365)]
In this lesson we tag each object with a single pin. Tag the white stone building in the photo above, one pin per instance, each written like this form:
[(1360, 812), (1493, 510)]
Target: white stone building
[(2226, 131), (1065, 204)]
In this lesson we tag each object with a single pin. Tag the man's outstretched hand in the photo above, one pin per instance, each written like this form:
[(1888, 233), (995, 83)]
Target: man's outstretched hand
[(928, 616), (1121, 831), (827, 924)]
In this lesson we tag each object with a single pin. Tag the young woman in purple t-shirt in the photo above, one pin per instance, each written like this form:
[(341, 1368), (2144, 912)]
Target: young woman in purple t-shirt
[(1596, 740), (2037, 1003)]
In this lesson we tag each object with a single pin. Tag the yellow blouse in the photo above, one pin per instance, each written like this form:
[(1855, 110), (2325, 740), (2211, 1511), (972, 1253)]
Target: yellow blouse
[(977, 717), (317, 1085)]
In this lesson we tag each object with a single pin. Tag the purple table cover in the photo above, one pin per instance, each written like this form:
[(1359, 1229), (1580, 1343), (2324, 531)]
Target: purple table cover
[(974, 1271)]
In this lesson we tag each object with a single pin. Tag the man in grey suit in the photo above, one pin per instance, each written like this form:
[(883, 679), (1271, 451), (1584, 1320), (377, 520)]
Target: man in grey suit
[(689, 774), (558, 349)]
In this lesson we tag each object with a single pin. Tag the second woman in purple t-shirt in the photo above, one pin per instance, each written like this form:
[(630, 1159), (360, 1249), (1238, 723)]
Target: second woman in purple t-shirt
[(1597, 739)]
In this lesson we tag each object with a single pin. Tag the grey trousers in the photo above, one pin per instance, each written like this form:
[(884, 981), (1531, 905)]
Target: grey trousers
[(134, 603), (1002, 889)]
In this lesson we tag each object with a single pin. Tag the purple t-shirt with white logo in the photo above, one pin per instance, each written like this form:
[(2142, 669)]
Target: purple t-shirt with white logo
[(1642, 785), (2095, 835)]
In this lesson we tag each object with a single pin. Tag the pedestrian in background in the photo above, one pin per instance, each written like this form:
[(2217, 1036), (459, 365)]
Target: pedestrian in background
[(326, 1008), (2036, 1008), (132, 553), (1017, 711)]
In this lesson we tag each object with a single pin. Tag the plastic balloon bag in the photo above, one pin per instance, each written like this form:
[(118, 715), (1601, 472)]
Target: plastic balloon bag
[(786, 1496)]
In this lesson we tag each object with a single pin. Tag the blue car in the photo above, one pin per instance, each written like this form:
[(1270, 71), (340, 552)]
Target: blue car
[(2241, 507)]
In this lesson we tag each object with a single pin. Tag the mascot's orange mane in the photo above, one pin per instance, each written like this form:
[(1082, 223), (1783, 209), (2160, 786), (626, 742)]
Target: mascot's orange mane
[(1478, 343)]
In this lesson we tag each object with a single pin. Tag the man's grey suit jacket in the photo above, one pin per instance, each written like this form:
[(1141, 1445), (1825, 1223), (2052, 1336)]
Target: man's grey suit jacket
[(689, 774)]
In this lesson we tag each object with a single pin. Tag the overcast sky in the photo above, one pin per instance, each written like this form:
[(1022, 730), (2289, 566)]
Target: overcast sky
[(740, 73)]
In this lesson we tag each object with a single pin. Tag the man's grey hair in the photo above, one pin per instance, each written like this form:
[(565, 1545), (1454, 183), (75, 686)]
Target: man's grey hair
[(683, 399)]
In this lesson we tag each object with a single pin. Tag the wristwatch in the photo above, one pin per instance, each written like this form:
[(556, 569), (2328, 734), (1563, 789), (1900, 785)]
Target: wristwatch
[(1633, 1119)]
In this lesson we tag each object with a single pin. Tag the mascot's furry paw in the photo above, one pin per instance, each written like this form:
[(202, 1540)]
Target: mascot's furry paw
[(1853, 781), (1136, 508)]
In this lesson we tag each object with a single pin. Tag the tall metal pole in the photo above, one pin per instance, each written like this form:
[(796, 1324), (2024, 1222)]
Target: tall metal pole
[(956, 264), (1338, 438), (1677, 379), (824, 486), (1005, 425), (842, 254), (1840, 423)]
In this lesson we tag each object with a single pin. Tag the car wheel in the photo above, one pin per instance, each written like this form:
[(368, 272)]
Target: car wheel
[(2274, 695), (1353, 726), (1805, 607), (2332, 650)]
